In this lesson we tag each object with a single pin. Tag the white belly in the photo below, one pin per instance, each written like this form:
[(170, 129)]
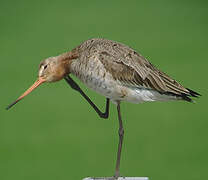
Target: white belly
[(117, 92)]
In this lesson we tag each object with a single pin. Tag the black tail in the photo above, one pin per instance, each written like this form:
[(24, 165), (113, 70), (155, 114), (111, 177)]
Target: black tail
[(192, 93)]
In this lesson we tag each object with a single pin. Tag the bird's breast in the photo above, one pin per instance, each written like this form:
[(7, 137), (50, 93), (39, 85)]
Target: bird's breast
[(92, 73)]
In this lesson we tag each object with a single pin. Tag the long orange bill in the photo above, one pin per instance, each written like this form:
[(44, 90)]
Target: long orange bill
[(35, 85)]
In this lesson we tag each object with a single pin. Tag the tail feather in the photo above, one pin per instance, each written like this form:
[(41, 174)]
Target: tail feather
[(185, 96), (192, 93)]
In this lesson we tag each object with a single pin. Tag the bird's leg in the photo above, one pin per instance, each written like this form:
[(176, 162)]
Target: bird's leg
[(121, 134), (76, 87)]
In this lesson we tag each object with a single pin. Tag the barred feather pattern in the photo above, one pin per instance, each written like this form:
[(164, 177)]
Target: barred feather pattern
[(128, 68)]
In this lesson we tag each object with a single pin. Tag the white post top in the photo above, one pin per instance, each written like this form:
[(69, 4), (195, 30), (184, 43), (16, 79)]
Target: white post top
[(119, 178)]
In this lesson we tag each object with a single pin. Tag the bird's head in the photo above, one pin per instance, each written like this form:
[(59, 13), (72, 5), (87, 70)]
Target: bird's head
[(51, 69)]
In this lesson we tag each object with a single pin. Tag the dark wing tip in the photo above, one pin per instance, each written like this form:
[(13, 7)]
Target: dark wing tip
[(193, 93), (185, 96)]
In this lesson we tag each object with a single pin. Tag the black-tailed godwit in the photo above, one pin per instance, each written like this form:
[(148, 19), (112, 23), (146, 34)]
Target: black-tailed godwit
[(115, 71)]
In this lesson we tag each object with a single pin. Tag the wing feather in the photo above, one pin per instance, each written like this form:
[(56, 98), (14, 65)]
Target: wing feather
[(129, 67)]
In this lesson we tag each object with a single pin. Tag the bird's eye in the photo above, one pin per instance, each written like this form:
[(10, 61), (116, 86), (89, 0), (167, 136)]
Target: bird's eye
[(45, 66)]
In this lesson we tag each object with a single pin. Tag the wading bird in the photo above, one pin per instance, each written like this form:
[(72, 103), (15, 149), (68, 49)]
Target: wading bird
[(115, 71)]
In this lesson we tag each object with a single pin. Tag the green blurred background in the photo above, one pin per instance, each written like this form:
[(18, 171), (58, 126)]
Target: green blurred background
[(54, 134)]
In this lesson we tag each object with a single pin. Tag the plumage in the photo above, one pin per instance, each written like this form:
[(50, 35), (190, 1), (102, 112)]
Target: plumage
[(123, 65)]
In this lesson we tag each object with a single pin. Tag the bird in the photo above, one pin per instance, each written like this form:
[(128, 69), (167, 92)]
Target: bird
[(114, 70)]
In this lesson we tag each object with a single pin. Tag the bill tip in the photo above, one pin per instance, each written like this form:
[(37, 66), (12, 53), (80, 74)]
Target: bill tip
[(8, 107)]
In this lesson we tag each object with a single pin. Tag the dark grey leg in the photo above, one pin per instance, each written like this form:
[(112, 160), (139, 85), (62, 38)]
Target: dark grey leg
[(76, 87), (121, 134)]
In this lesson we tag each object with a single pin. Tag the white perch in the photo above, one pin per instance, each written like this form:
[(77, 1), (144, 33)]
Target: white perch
[(119, 178)]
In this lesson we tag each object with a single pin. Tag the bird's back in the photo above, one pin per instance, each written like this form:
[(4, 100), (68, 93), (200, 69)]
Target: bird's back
[(126, 67)]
